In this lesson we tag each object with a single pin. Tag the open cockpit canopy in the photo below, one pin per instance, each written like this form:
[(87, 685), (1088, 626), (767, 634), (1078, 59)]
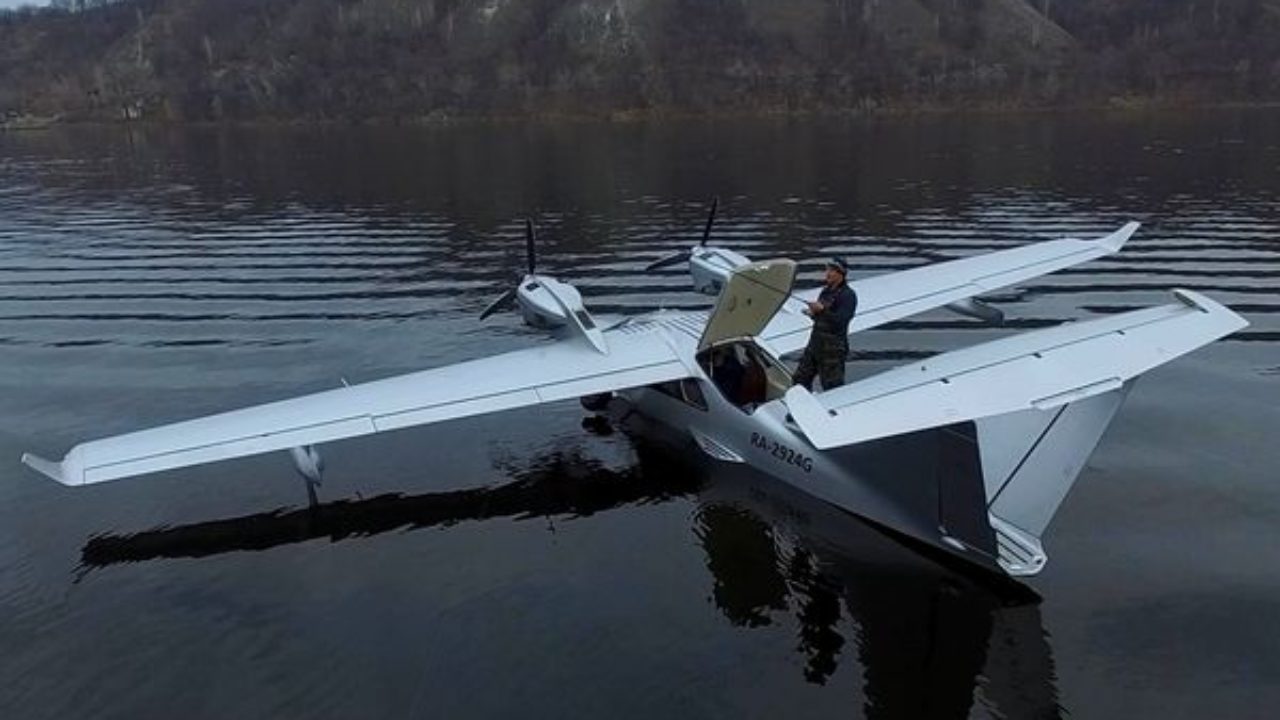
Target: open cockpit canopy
[(749, 299)]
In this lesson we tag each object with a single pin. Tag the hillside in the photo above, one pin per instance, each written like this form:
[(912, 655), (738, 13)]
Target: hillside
[(412, 59)]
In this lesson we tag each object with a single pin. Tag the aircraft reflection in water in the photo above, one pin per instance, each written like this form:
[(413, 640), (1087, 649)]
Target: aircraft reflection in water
[(927, 636)]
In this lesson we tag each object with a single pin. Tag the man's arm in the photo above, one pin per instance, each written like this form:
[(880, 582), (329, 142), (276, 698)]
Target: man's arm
[(843, 306)]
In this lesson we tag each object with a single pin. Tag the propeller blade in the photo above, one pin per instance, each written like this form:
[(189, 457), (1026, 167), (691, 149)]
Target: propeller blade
[(530, 236), (504, 301), (682, 256), (711, 218)]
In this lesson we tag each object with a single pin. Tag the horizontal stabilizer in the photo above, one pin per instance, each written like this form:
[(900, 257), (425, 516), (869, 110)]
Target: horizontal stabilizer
[(1042, 370)]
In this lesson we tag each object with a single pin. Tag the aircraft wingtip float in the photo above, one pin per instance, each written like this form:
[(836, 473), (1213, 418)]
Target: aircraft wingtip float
[(1014, 419)]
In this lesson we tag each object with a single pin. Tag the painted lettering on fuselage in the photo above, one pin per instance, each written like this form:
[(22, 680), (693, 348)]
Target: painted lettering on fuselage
[(782, 452)]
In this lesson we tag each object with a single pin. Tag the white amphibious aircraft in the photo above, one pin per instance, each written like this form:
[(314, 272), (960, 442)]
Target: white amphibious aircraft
[(1009, 423)]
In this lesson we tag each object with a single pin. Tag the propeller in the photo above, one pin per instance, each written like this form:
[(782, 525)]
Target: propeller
[(531, 257), (684, 255), (504, 301)]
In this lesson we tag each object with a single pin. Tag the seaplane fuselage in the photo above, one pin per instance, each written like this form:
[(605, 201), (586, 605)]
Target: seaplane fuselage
[(893, 483)]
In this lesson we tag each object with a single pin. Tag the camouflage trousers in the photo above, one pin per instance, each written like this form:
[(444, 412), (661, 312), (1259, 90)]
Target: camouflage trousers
[(824, 357)]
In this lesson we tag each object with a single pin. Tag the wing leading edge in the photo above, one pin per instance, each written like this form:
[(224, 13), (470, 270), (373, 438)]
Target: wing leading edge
[(893, 296), (560, 371)]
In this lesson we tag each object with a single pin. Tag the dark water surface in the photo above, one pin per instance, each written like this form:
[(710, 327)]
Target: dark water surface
[(518, 565)]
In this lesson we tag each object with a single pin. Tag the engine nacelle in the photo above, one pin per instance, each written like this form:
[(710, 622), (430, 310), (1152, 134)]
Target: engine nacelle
[(543, 301), (549, 304), (710, 267)]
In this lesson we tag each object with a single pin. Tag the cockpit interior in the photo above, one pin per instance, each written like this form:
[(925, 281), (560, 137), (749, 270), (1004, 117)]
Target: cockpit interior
[(746, 375)]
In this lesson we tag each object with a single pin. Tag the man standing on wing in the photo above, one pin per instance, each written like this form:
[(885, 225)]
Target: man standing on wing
[(828, 346)]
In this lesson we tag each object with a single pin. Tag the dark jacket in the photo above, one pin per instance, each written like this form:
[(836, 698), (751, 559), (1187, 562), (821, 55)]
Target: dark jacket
[(841, 302)]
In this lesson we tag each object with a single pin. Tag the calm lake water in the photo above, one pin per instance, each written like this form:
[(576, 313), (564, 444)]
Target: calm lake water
[(522, 565)]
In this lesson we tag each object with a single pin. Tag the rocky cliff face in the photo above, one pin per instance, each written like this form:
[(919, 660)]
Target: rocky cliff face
[(408, 59)]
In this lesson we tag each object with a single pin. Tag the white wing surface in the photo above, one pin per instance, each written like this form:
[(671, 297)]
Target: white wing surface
[(567, 369), (1041, 369), (893, 296)]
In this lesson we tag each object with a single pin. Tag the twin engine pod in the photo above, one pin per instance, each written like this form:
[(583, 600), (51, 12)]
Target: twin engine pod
[(710, 267), (544, 302), (549, 304)]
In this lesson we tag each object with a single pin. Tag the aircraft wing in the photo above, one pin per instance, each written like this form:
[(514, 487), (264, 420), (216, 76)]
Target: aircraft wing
[(1041, 369), (893, 296), (566, 369)]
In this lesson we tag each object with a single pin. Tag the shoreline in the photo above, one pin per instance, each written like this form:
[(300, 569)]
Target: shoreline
[(1113, 106)]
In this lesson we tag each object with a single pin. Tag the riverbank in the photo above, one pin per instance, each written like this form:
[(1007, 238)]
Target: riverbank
[(1117, 105)]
